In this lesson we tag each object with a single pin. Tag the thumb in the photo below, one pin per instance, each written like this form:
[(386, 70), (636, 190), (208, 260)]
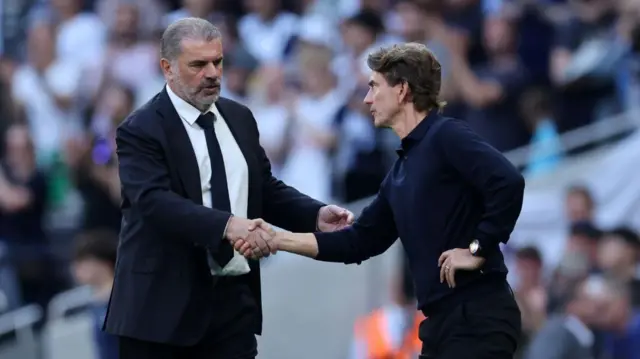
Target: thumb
[(255, 224)]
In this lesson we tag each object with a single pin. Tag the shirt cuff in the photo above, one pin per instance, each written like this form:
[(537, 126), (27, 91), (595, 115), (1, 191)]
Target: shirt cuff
[(330, 247), (224, 233), (487, 244)]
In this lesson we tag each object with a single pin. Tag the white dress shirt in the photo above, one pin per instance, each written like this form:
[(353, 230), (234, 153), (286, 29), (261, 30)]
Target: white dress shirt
[(235, 166)]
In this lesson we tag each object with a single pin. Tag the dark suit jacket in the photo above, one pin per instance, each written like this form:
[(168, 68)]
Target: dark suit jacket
[(163, 287)]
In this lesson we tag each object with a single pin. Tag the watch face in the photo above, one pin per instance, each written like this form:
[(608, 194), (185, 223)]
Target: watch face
[(473, 247)]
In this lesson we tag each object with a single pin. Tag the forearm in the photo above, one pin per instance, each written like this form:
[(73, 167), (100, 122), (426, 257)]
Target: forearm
[(472, 89), (503, 203), (491, 174), (199, 225), (304, 244)]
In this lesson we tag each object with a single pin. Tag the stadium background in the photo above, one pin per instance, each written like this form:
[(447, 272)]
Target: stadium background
[(70, 70)]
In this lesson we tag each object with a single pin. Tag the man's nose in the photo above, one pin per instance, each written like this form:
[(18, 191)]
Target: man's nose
[(211, 71)]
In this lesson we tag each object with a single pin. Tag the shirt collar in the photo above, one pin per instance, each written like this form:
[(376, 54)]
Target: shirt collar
[(418, 133), (185, 110)]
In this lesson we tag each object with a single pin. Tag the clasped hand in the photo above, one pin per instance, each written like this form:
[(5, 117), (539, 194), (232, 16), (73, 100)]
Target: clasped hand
[(257, 239), (255, 235)]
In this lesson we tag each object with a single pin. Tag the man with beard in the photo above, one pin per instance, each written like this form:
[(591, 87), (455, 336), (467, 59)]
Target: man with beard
[(193, 176)]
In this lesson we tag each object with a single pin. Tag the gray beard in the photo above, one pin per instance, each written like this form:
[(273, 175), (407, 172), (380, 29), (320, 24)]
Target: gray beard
[(184, 93)]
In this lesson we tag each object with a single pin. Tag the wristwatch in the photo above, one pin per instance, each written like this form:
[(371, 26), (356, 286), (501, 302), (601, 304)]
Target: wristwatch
[(474, 248)]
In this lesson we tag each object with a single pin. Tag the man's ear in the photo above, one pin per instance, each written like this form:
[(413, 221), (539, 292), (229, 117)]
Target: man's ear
[(165, 65), (404, 94)]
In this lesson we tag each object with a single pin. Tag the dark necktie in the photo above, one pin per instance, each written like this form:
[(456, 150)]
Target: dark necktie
[(219, 189)]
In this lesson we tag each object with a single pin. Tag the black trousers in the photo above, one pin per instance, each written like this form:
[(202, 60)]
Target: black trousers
[(229, 336), (485, 327)]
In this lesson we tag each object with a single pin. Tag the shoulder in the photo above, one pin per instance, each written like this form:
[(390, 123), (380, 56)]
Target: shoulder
[(144, 119), (235, 110), (233, 105), (451, 127)]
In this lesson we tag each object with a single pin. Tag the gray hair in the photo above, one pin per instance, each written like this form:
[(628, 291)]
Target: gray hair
[(192, 28)]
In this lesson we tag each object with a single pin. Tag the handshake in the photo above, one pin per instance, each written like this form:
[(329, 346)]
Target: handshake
[(253, 238)]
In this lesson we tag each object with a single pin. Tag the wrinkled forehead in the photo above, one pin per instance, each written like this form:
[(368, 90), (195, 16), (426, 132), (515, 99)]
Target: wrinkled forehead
[(201, 50)]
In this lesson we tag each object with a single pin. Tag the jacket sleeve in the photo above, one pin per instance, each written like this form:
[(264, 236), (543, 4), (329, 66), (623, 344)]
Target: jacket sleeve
[(145, 181), (491, 174), (371, 234)]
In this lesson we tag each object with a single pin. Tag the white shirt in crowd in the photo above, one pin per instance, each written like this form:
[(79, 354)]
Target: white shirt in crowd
[(49, 124), (235, 166), (266, 41), (308, 166)]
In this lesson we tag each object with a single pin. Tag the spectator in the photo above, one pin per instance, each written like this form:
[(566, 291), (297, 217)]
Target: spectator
[(93, 163), (424, 22), (46, 89), (579, 204), (130, 59), (77, 29), (266, 30), (618, 257), (582, 62), (93, 265), (239, 69), (546, 149), (530, 292), (579, 260), (359, 162), (273, 117), (361, 33), (390, 331), (205, 9), (621, 322), (308, 165), (23, 194), (568, 335), (492, 91)]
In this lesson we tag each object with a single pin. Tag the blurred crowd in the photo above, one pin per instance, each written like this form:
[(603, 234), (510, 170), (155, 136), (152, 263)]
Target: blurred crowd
[(522, 72), (589, 306)]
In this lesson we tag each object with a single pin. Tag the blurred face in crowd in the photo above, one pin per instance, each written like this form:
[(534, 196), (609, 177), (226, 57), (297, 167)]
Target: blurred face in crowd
[(274, 83), (529, 271), (611, 309), (41, 46), (592, 10), (126, 22), (616, 256), (91, 271), (384, 101), (589, 298), (263, 7), (315, 73), (236, 79), (196, 74), (583, 246), (199, 7), (412, 20), (66, 7), (578, 207), (119, 103), (614, 312), (456, 4), (357, 37), (19, 145), (498, 35)]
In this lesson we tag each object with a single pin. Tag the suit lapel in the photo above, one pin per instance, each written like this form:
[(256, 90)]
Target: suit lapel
[(181, 149), (239, 129)]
